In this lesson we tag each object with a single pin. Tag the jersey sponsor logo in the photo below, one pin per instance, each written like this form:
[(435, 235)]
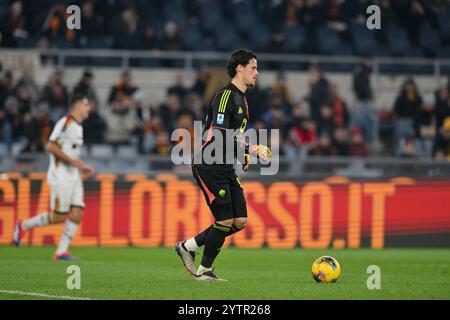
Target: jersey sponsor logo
[(220, 118)]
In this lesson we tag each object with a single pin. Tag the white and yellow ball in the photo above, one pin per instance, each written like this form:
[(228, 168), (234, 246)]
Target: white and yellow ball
[(326, 269)]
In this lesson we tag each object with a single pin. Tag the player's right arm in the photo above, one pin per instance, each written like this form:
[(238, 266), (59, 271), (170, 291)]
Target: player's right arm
[(55, 149)]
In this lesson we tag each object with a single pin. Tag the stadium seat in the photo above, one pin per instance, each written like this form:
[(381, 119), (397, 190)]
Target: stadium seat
[(364, 40), (398, 40), (145, 62), (102, 150), (381, 50), (27, 42), (444, 25), (100, 43), (62, 43), (174, 11), (127, 151), (430, 39), (76, 61), (443, 53), (227, 38), (244, 21), (342, 50), (192, 37), (17, 147), (327, 40), (211, 16), (260, 37), (3, 149), (295, 38)]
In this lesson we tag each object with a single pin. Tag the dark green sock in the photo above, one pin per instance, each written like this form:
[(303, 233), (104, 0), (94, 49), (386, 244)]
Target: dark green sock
[(213, 243), (201, 237)]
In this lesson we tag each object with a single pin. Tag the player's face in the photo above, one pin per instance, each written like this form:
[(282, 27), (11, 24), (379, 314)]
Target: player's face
[(84, 108), (251, 73)]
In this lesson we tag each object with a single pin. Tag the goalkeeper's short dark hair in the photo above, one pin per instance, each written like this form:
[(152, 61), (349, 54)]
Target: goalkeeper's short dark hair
[(239, 57)]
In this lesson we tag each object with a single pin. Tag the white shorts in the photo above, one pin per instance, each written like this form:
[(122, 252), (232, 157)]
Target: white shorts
[(66, 195)]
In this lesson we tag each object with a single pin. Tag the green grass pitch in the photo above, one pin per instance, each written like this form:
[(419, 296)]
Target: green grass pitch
[(137, 273)]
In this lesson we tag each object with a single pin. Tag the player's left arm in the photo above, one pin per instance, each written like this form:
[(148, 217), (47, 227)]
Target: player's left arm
[(259, 151)]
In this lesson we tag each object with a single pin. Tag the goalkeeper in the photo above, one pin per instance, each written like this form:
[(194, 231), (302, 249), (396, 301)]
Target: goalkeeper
[(218, 181)]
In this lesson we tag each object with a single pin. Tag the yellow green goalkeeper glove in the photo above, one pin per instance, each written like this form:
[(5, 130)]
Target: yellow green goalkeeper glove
[(261, 151)]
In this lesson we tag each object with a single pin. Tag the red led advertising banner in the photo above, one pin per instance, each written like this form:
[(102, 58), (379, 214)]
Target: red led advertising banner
[(138, 211)]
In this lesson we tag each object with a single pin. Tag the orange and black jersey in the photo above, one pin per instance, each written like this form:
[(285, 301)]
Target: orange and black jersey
[(228, 110)]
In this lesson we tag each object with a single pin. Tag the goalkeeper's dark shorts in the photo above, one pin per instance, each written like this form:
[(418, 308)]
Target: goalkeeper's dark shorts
[(223, 192)]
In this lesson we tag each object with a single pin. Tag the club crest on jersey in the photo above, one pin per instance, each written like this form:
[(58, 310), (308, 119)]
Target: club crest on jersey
[(220, 118)]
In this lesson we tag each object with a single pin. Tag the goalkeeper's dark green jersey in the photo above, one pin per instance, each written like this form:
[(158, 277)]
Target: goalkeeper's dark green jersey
[(228, 110)]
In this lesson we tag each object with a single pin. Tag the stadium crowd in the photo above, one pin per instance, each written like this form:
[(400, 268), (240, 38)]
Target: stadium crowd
[(419, 27), (320, 124)]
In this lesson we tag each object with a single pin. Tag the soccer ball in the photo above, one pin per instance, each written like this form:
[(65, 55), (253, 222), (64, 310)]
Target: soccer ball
[(326, 269)]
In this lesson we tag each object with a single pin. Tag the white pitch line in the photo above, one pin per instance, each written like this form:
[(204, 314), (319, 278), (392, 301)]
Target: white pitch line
[(34, 294)]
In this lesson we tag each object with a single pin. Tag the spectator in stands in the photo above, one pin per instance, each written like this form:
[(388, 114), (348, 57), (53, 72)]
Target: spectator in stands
[(340, 111), (425, 127), (302, 131), (309, 14), (126, 22), (149, 39), (178, 88), (186, 122), (92, 23), (201, 82), (406, 109), (363, 114), (442, 106), (322, 147), (277, 44), (55, 25), (281, 89), (123, 88), (275, 118), (27, 81), (13, 124), (333, 12), (121, 122), (17, 21), (353, 11), (326, 124), (442, 143), (155, 134), (171, 110), (409, 150), (340, 145), (56, 96), (37, 129), (85, 87), (94, 127), (194, 105), (358, 147), (172, 37), (275, 14), (411, 15), (6, 87), (319, 91), (26, 103), (257, 100)]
